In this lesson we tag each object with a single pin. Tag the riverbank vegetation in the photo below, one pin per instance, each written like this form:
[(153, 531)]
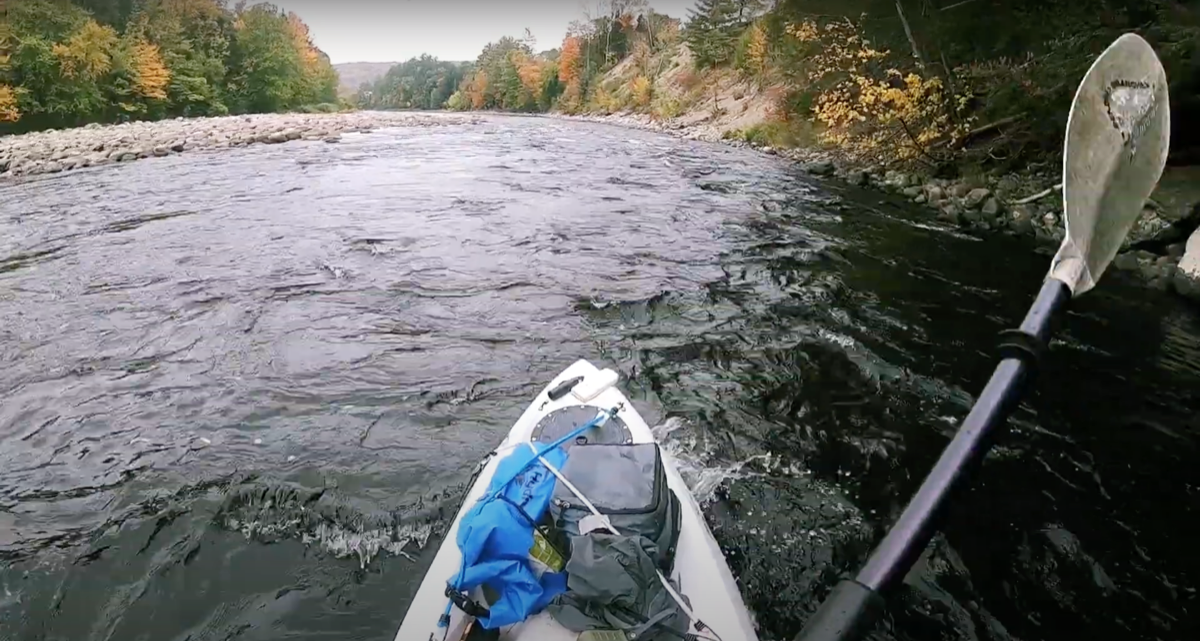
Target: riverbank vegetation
[(934, 83), (66, 63)]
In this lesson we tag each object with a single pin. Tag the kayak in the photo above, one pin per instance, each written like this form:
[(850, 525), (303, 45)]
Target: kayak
[(564, 411)]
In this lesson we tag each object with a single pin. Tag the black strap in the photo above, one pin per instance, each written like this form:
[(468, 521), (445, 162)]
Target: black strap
[(466, 604)]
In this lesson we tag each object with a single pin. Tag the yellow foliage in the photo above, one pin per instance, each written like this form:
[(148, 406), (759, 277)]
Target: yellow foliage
[(640, 88), (756, 49), (868, 110), (303, 43), (8, 105), (88, 52), (151, 76)]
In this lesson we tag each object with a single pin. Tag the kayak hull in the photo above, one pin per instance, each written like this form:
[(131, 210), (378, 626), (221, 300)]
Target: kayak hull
[(700, 569)]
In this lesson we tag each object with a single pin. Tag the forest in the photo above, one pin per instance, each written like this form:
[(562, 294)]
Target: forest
[(921, 81), (66, 63)]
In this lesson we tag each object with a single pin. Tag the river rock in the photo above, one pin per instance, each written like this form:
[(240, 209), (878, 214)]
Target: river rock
[(1175, 250), (896, 179), (819, 167), (934, 193), (275, 138), (1150, 228), (991, 207), (335, 138), (1020, 219), (1187, 276), (959, 190), (911, 192), (975, 197), (857, 177), (1125, 261), (161, 151), (950, 213), (920, 199)]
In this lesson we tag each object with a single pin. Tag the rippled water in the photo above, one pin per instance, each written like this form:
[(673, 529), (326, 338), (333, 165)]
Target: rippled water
[(242, 391)]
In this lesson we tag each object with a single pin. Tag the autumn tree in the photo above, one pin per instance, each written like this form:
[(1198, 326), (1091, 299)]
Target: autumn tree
[(9, 112)]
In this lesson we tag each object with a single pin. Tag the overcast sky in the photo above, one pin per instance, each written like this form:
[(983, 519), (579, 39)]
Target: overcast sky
[(396, 30)]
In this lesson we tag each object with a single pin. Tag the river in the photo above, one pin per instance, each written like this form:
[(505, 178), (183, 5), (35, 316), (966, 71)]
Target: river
[(243, 390)]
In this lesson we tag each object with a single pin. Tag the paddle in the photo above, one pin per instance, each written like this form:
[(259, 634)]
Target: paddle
[(1116, 146)]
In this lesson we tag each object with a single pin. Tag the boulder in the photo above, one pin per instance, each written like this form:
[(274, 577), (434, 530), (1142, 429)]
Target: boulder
[(950, 213), (896, 179), (1151, 229), (1125, 261), (934, 193), (959, 190), (911, 192), (819, 168), (991, 207), (277, 138), (1020, 219), (1187, 276), (975, 197), (920, 199), (857, 177), (161, 151)]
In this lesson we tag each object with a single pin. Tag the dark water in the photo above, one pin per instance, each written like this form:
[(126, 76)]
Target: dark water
[(242, 392)]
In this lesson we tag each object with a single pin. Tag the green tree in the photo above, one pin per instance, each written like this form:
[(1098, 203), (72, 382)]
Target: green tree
[(266, 72), (711, 31)]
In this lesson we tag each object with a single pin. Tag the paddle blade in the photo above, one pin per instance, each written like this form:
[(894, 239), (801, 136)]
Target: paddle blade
[(1118, 135)]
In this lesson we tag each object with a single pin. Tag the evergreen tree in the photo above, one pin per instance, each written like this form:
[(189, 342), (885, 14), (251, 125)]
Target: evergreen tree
[(712, 31)]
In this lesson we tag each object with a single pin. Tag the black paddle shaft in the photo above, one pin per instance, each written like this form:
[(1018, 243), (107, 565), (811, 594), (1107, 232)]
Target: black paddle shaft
[(852, 609)]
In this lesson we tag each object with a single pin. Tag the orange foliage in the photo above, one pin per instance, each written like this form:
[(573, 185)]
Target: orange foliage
[(151, 76), (8, 105), (568, 60), (303, 42), (530, 71), (477, 89)]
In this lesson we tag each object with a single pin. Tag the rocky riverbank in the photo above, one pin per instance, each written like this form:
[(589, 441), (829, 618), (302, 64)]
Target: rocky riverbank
[(1157, 251), (53, 151)]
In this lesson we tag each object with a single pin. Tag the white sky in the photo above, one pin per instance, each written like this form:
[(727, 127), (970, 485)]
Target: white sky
[(396, 30)]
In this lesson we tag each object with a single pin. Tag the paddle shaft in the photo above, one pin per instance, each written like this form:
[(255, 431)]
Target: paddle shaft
[(852, 609)]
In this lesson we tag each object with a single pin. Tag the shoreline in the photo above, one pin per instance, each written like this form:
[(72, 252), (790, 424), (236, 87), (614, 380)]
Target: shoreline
[(1022, 203), (1162, 250), (55, 151)]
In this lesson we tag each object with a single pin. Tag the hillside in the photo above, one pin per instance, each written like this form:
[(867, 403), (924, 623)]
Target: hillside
[(351, 75)]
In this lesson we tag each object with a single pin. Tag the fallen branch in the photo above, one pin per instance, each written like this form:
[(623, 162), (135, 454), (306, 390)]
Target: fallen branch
[(1041, 194), (992, 125)]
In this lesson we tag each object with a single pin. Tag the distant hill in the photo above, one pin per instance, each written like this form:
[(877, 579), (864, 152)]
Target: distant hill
[(353, 74)]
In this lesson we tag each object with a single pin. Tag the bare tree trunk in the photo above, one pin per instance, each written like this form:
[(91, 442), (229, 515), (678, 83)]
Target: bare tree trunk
[(921, 62)]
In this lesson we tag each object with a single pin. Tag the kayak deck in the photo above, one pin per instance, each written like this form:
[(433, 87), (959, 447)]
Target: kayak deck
[(699, 570)]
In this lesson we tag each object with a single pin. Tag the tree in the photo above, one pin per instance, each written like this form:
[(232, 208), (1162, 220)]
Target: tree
[(711, 31), (9, 112), (267, 72), (151, 76)]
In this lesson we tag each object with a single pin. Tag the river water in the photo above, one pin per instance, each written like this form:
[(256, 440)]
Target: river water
[(242, 391)]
